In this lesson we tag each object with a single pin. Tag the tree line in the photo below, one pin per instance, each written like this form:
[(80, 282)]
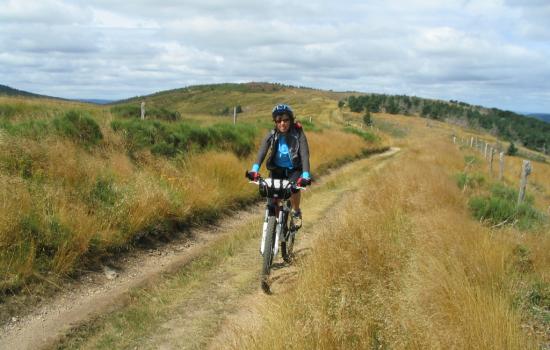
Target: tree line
[(530, 132)]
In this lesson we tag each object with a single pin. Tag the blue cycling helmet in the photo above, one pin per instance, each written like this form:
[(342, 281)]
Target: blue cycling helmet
[(282, 109)]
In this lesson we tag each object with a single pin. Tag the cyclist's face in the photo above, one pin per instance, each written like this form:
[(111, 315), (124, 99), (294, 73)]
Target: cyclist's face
[(282, 122)]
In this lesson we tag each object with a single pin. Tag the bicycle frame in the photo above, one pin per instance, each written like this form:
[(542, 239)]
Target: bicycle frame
[(274, 206), (277, 193)]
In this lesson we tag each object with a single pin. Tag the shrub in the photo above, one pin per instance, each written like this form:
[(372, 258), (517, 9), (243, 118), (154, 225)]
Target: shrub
[(367, 118), (500, 208), (34, 129), (512, 149), (79, 127), (134, 111), (465, 180), (103, 192), (172, 139), (127, 111)]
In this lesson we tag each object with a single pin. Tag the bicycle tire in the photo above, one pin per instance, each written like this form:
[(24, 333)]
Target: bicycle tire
[(287, 248), (268, 252)]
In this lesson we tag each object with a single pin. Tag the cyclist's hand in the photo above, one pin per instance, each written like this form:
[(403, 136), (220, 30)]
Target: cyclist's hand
[(253, 175), (303, 182)]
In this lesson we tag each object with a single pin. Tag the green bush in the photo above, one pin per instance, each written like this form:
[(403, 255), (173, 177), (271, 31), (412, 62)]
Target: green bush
[(33, 129), (512, 150), (103, 192), (501, 207), (79, 127), (134, 111), (474, 180), (309, 126), (367, 119), (127, 111), (363, 134), (170, 139)]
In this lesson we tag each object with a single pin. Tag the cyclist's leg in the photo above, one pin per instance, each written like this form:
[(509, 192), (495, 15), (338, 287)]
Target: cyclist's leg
[(293, 175), (295, 201)]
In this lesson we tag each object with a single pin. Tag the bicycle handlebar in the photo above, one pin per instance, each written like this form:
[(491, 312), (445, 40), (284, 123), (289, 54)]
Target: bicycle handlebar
[(291, 184)]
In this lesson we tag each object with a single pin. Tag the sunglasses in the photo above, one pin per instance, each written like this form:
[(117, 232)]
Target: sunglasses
[(282, 120)]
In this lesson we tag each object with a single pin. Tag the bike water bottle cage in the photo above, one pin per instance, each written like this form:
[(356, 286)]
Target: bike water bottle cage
[(275, 188)]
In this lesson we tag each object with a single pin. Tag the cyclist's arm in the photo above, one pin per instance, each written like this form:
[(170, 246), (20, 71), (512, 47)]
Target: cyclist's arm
[(264, 147), (304, 154)]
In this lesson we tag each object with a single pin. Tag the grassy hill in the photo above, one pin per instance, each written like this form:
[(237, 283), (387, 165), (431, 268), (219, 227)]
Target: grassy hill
[(9, 91), (531, 132), (82, 181)]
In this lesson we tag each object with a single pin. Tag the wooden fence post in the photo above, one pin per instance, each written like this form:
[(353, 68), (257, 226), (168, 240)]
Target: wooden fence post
[(491, 152), (501, 166), (142, 110), (471, 142), (525, 171), (234, 115), (485, 152)]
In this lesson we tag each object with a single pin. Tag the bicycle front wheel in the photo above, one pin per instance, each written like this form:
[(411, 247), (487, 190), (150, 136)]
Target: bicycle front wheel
[(287, 247), (268, 252)]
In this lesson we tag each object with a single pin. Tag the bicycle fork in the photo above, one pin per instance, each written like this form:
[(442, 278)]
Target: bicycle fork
[(278, 230)]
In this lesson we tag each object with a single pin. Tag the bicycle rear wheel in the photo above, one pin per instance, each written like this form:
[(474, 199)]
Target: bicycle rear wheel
[(268, 253)]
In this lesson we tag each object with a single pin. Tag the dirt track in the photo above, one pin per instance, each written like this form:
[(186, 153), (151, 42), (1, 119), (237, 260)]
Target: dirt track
[(226, 300)]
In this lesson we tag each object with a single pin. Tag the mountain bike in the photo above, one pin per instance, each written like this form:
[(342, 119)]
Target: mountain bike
[(277, 228)]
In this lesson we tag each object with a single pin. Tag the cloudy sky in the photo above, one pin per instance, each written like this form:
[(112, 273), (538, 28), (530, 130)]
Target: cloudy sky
[(490, 52)]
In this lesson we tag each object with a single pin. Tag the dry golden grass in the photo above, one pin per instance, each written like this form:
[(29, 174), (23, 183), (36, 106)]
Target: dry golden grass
[(64, 201), (404, 266)]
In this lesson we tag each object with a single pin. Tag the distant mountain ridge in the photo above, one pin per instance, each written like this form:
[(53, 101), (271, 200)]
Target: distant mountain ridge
[(6, 90), (97, 101), (542, 116), (9, 91)]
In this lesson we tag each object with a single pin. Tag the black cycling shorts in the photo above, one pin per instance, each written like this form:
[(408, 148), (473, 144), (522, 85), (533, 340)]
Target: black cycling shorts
[(286, 174)]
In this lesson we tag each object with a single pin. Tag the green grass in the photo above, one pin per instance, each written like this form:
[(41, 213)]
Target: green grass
[(134, 111), (500, 207), (170, 139), (367, 136), (79, 126), (472, 181), (32, 129)]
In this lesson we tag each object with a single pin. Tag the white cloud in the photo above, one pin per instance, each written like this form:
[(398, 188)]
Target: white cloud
[(474, 51)]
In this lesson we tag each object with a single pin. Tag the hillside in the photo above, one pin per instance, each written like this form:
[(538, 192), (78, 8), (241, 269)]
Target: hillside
[(9, 91), (82, 182), (219, 100), (6, 90), (531, 132)]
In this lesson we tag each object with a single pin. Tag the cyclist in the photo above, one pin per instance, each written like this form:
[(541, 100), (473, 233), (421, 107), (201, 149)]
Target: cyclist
[(288, 155)]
